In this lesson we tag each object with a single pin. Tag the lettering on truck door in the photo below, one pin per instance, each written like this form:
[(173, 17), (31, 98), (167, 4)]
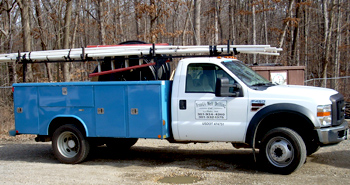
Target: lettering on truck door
[(201, 115)]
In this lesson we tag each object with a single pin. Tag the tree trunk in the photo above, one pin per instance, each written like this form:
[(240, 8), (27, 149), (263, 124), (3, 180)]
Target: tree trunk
[(295, 36), (197, 22), (231, 25), (67, 21), (286, 24), (265, 30), (100, 19), (328, 25), (306, 40), (254, 32), (337, 44), (153, 20), (76, 23), (186, 23), (137, 18), (27, 39), (216, 20), (38, 12)]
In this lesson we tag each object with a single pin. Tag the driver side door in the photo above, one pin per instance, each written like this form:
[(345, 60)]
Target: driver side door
[(201, 115)]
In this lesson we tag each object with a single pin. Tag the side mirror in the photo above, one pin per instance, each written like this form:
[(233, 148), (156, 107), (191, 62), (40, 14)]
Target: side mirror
[(222, 88)]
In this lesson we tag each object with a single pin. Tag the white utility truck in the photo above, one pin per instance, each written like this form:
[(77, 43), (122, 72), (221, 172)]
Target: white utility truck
[(215, 98)]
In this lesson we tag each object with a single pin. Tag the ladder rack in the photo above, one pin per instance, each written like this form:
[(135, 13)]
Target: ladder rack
[(83, 54), (158, 54)]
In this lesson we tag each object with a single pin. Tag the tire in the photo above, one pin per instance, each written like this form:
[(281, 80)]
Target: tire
[(121, 143), (283, 151), (70, 145), (311, 148)]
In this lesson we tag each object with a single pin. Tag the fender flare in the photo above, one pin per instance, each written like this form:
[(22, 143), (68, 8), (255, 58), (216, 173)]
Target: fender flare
[(275, 109), (69, 116)]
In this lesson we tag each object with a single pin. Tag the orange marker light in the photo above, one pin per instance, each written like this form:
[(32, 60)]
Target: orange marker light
[(323, 114), (232, 57)]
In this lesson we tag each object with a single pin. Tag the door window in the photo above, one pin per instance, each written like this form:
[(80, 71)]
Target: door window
[(201, 78)]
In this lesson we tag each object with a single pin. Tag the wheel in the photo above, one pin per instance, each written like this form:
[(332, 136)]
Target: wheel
[(283, 151), (121, 143), (70, 145)]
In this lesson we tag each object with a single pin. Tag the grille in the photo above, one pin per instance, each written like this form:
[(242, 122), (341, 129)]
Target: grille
[(338, 109)]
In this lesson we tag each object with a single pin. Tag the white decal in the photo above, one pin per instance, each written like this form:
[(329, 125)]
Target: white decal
[(211, 110), (258, 101), (211, 123)]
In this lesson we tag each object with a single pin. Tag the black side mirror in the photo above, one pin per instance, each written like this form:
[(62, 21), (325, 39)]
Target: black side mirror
[(222, 88)]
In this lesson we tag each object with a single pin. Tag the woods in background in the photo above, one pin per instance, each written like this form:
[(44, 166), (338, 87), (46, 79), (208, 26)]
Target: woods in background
[(312, 33)]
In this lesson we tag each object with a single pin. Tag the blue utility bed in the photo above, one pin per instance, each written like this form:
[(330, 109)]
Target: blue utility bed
[(106, 109)]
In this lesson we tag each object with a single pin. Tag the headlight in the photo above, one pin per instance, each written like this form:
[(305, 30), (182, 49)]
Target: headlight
[(324, 115)]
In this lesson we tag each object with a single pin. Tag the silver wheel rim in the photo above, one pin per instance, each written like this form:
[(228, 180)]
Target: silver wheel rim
[(280, 152), (68, 144)]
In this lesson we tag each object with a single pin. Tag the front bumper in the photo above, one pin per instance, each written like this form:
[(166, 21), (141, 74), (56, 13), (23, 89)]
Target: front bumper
[(333, 135)]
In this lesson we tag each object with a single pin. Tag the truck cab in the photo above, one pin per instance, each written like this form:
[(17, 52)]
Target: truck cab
[(221, 99)]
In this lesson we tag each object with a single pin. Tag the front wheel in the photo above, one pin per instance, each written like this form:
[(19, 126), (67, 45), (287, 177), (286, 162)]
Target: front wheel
[(70, 145), (283, 151)]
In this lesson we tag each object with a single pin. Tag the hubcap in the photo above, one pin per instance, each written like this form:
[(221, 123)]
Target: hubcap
[(68, 144), (280, 151), (71, 144)]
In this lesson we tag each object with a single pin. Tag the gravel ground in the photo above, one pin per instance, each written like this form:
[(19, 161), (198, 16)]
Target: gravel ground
[(28, 162)]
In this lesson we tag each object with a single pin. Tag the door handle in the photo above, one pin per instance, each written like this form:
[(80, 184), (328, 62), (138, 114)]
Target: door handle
[(182, 104)]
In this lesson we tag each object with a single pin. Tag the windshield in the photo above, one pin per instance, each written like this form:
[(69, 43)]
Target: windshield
[(244, 73)]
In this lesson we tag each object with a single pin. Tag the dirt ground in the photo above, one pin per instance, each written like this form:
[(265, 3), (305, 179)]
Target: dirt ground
[(28, 162)]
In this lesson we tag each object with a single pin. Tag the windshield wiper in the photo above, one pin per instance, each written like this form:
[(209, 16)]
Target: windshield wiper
[(264, 84)]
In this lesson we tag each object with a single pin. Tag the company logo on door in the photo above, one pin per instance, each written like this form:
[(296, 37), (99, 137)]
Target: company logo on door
[(210, 110)]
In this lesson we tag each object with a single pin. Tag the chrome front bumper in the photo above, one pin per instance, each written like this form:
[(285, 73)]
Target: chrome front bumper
[(333, 135)]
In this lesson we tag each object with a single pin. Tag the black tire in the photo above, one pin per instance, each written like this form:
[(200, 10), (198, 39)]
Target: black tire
[(121, 143), (70, 145), (283, 151), (311, 148)]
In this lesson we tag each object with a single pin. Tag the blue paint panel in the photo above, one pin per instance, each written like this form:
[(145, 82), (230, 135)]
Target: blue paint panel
[(84, 115), (76, 96), (42, 102), (112, 123), (147, 123), (25, 98)]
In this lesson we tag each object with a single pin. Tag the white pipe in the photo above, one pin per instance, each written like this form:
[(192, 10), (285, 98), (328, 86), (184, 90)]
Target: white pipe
[(100, 52)]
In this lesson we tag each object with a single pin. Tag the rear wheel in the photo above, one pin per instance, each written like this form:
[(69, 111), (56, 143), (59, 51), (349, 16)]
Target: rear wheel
[(283, 151), (70, 145)]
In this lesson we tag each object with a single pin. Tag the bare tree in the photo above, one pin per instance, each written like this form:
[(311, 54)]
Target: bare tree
[(66, 36), (27, 39), (100, 19), (197, 22)]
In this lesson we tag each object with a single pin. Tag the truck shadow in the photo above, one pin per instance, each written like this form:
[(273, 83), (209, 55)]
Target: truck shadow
[(211, 160), (27, 152), (225, 160), (338, 159)]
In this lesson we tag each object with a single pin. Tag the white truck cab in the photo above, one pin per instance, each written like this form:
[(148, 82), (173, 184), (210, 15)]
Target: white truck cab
[(221, 99)]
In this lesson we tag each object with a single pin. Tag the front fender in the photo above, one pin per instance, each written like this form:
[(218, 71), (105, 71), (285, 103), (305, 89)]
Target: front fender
[(275, 109)]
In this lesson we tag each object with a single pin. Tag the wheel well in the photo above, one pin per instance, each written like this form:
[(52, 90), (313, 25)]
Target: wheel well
[(57, 122), (300, 124)]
